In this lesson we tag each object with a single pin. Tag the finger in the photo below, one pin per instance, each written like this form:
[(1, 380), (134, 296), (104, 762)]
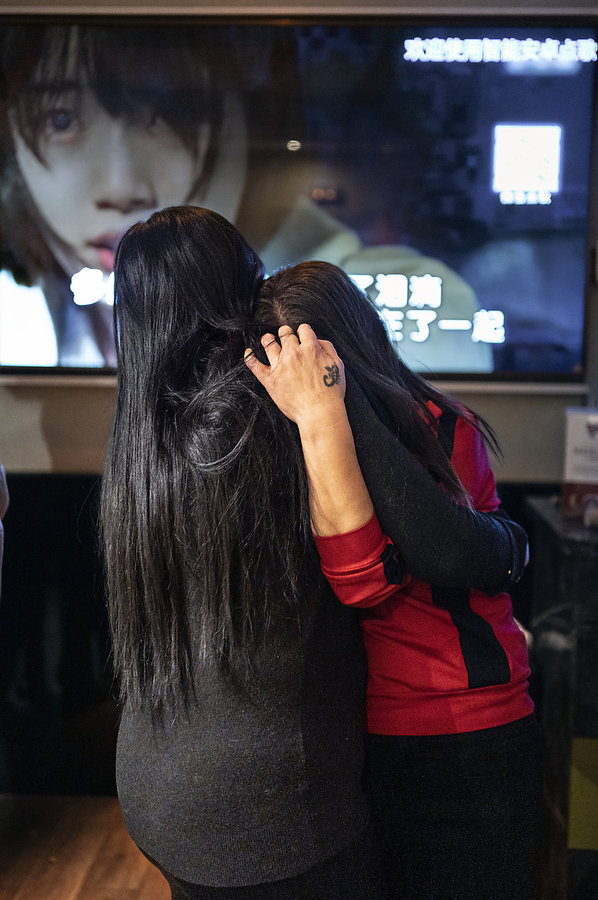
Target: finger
[(306, 334), (285, 331), (271, 346), (258, 368)]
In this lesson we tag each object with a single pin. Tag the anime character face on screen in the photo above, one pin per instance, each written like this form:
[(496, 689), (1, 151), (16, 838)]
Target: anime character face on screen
[(100, 128), (108, 125)]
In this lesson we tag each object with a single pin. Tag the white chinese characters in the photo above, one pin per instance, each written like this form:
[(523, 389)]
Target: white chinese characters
[(417, 299)]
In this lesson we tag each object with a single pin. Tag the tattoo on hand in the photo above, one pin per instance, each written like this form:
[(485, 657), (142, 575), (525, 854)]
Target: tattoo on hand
[(333, 377)]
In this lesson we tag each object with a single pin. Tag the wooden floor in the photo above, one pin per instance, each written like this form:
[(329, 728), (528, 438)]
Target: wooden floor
[(71, 848)]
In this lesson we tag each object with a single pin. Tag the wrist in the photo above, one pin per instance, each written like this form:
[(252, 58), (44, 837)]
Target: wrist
[(319, 432), (325, 419)]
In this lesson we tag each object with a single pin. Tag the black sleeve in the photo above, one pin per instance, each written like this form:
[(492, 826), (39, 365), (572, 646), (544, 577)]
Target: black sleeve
[(439, 540)]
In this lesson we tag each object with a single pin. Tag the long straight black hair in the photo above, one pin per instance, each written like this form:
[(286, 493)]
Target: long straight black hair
[(205, 511), (205, 508)]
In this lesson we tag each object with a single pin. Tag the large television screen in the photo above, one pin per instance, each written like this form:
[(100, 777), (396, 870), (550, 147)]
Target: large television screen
[(445, 165)]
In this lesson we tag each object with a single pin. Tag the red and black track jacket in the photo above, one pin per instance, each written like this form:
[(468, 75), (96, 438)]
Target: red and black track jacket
[(440, 660)]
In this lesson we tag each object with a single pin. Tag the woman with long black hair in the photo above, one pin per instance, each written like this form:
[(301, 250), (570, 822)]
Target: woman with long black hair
[(452, 765), (240, 748)]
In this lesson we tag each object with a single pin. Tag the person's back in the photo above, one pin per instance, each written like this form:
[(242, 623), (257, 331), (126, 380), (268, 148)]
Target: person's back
[(240, 748), (256, 783)]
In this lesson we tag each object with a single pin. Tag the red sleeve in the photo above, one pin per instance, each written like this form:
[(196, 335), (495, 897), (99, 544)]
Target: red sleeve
[(472, 465), (361, 566)]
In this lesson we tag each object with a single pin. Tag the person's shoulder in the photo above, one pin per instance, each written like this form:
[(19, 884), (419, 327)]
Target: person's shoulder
[(465, 416)]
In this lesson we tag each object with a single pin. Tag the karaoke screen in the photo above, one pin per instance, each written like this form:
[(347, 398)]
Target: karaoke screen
[(446, 168)]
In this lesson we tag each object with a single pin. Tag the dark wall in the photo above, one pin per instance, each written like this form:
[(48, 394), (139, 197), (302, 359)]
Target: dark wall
[(57, 716)]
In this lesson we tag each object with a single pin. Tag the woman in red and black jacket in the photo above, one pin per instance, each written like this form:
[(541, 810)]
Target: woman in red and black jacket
[(453, 749)]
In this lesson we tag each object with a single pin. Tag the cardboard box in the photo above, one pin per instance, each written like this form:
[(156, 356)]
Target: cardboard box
[(580, 478)]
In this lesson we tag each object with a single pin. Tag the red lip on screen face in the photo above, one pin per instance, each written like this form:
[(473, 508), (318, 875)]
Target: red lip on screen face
[(105, 246)]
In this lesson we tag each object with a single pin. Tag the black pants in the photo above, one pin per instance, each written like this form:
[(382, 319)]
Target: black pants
[(456, 815), (353, 874)]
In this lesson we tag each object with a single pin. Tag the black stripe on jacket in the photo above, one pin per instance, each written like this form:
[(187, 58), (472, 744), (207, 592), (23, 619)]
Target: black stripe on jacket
[(485, 659)]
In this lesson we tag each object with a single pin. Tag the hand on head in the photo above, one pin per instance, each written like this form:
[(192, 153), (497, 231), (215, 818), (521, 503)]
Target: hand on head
[(305, 377)]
